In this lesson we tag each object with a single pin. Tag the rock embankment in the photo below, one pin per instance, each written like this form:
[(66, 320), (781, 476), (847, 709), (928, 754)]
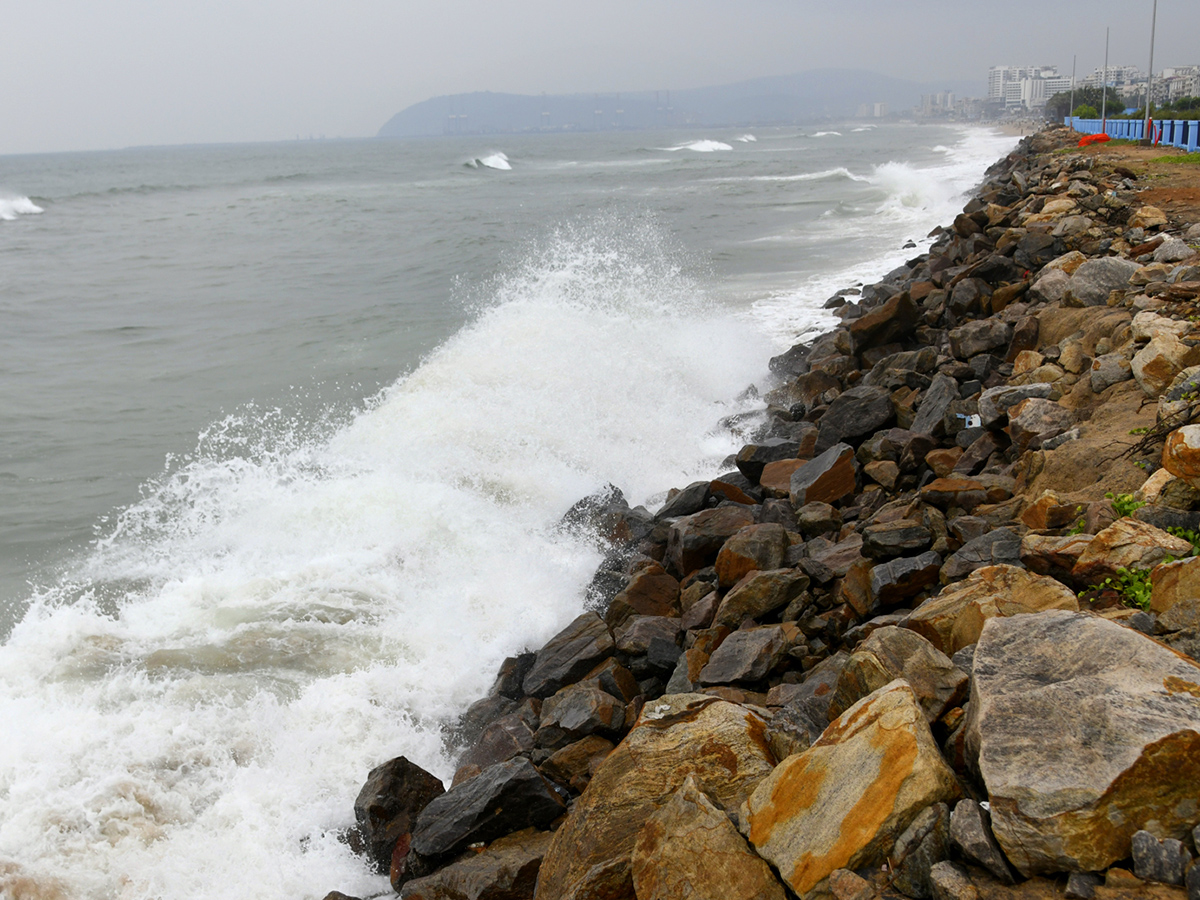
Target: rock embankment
[(929, 637)]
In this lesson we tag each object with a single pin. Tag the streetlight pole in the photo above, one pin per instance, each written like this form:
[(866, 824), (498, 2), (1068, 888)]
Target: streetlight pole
[(1071, 111), (1146, 136), (1104, 93)]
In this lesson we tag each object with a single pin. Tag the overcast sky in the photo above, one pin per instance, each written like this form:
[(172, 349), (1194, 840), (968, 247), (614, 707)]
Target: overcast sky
[(94, 74)]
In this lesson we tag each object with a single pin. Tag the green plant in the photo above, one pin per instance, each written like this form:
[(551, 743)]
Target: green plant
[(1084, 111), (1124, 504), (1142, 430), (1188, 535), (1133, 585)]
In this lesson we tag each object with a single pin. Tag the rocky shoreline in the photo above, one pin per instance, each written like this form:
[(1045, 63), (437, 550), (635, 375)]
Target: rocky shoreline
[(934, 636)]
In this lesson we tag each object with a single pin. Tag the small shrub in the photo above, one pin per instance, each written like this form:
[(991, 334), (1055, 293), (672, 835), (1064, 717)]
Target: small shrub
[(1124, 504), (1188, 535), (1133, 585), (1083, 111)]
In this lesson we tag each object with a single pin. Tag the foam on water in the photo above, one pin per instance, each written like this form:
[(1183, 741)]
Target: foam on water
[(747, 139), (705, 146), (12, 206), (287, 607), (828, 134), (491, 161)]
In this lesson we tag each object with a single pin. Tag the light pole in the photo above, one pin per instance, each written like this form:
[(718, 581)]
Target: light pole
[(1146, 137)]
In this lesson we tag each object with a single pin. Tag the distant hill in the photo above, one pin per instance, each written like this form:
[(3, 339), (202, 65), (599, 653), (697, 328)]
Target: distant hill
[(785, 99)]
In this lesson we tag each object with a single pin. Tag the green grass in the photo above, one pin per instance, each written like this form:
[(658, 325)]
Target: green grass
[(1187, 159)]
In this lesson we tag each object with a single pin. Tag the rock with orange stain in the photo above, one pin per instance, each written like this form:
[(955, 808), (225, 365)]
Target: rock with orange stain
[(843, 802), (954, 618), (689, 850), (1083, 732), (721, 744)]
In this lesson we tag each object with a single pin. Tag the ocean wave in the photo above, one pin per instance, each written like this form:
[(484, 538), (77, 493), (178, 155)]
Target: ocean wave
[(491, 161), (747, 139), (841, 172), (828, 134), (704, 146), (12, 206)]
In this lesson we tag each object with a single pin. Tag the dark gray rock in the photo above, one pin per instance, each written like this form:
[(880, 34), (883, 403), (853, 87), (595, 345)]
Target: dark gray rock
[(971, 831), (924, 844), (994, 403), (569, 655), (900, 579), (943, 391), (694, 541), (950, 881), (689, 501), (1164, 861), (1093, 281), (980, 336), (745, 656), (507, 737), (1082, 885), (753, 458), (577, 711), (855, 413), (999, 547), (1192, 882), (389, 803), (891, 539), (499, 800)]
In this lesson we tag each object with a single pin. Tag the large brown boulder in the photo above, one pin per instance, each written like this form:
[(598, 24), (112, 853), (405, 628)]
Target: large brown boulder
[(389, 803), (720, 744), (752, 548), (1083, 732), (955, 617), (506, 870), (569, 655), (844, 801), (1126, 544), (689, 850), (760, 593), (694, 541)]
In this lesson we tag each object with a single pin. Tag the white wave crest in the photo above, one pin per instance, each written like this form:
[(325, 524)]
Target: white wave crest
[(841, 172), (828, 134), (747, 139), (13, 206), (491, 161), (705, 146)]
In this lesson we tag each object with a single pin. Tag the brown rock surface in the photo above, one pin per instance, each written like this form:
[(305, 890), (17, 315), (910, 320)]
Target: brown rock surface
[(752, 548), (506, 870), (1126, 544)]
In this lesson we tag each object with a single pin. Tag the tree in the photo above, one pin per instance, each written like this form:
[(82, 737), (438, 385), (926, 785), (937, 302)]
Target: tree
[(1058, 107), (1083, 111)]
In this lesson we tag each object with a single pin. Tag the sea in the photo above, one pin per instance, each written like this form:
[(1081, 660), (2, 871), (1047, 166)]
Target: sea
[(287, 431)]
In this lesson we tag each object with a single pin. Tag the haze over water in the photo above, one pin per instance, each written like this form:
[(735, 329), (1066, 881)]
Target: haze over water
[(285, 432)]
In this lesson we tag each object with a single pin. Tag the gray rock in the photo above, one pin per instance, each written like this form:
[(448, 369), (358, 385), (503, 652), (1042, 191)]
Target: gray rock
[(1051, 286), (950, 881), (569, 655), (1172, 250), (980, 336), (994, 403), (1164, 861), (577, 711), (900, 579), (499, 800), (859, 411), (1109, 369), (1097, 278), (1192, 882), (892, 539), (753, 458), (506, 869), (942, 391), (970, 829), (745, 656), (998, 547), (1082, 885), (690, 500), (923, 844)]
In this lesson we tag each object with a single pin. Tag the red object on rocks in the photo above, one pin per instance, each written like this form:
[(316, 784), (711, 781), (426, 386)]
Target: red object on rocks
[(1094, 139)]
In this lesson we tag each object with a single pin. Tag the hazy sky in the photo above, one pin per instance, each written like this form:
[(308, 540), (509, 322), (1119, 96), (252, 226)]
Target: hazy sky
[(91, 74)]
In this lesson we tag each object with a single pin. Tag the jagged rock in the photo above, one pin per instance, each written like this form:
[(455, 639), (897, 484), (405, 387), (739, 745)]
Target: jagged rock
[(752, 548), (1082, 885), (1148, 325), (1156, 365), (388, 805), (687, 502), (843, 802), (693, 542), (1164, 861), (1083, 732), (827, 560), (1147, 217), (752, 458), (1000, 547), (965, 493), (506, 737), (1097, 278), (1035, 420), (950, 881), (1053, 555), (499, 800), (893, 321), (889, 653), (994, 403), (651, 591), (747, 655), (899, 579), (924, 844), (971, 296), (612, 678), (758, 594), (574, 764), (980, 336), (1173, 250), (1109, 369), (954, 618), (942, 391), (1051, 285), (1126, 544), (857, 412), (891, 539), (506, 870), (847, 885), (577, 711), (883, 472), (817, 518), (569, 655), (1051, 511), (826, 478), (689, 850), (971, 831), (718, 743), (1181, 454)]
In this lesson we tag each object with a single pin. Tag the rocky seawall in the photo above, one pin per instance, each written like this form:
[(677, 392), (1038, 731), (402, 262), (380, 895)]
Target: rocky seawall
[(934, 635)]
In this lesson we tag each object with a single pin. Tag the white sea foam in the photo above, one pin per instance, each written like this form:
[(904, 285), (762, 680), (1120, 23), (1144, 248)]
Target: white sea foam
[(286, 609), (828, 134), (705, 146), (491, 161), (12, 206), (747, 139), (840, 173)]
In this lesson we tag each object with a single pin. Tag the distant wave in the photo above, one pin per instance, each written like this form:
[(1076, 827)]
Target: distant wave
[(494, 161), (826, 174), (863, 128), (827, 134), (747, 139), (940, 148), (700, 147), (11, 207)]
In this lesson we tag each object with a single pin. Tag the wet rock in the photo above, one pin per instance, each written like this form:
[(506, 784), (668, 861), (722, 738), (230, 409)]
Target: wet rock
[(577, 711), (508, 736), (954, 618), (388, 805), (843, 802), (1165, 861), (892, 539), (651, 591), (889, 653), (501, 799), (752, 548), (893, 321), (1126, 544), (826, 478), (687, 502), (899, 579), (971, 831), (569, 655), (1000, 547), (745, 656), (1083, 732), (693, 542), (759, 594), (857, 412), (506, 870), (752, 458), (574, 764), (716, 742), (689, 850)]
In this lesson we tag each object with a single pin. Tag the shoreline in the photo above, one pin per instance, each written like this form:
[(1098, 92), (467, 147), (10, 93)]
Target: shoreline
[(924, 498)]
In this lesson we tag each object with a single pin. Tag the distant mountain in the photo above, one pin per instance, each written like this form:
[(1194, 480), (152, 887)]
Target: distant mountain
[(785, 99)]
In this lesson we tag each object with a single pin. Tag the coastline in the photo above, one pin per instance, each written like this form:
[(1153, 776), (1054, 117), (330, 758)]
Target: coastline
[(923, 499)]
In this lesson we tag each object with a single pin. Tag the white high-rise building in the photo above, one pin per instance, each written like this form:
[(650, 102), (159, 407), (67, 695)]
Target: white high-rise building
[(1025, 86)]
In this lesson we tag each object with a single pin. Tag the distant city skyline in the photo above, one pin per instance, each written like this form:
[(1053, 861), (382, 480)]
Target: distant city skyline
[(129, 72)]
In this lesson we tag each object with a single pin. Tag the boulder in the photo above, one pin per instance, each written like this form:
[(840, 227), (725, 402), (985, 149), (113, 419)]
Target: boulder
[(1156, 365), (889, 653), (505, 870), (1035, 420), (1173, 250), (747, 655), (942, 391), (569, 655), (1147, 217), (888, 540), (827, 477), (971, 831), (818, 518), (501, 799), (999, 547), (1051, 285), (1083, 732), (574, 764), (1109, 369), (1165, 861), (752, 548), (651, 591), (899, 579), (980, 336), (1181, 454), (752, 458), (506, 737), (1126, 544), (689, 850), (1148, 325), (577, 711), (923, 844), (844, 801), (694, 541), (716, 742), (890, 322), (855, 413), (388, 805), (954, 618), (1097, 278), (1053, 555), (994, 403), (687, 502), (965, 493), (760, 593)]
